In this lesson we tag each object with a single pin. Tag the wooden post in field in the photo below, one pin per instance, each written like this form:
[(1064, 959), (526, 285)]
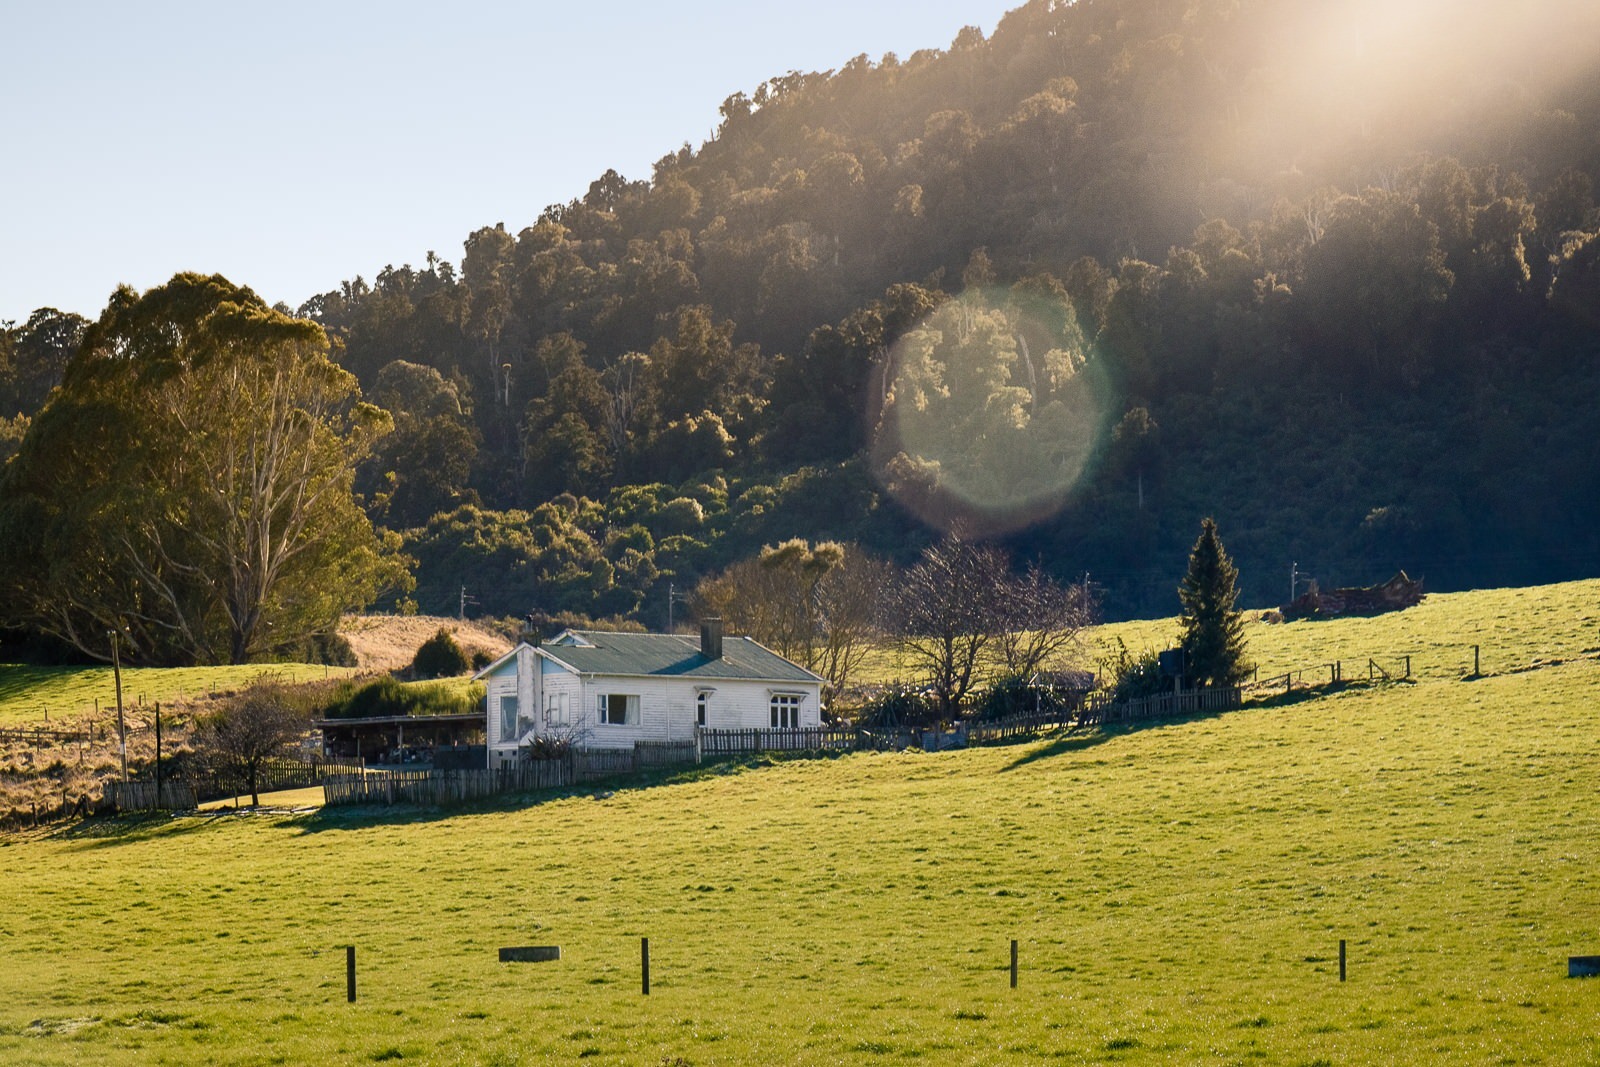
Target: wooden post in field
[(122, 729), (644, 964), (1341, 959), (350, 973), (1013, 963), (1475, 671), (1408, 666), (158, 755)]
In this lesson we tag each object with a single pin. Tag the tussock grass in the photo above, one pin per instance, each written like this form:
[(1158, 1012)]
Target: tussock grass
[(1179, 892)]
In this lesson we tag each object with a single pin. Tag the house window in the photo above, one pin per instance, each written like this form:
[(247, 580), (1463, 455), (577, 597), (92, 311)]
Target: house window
[(555, 708), (508, 718), (701, 702), (617, 709), (785, 711)]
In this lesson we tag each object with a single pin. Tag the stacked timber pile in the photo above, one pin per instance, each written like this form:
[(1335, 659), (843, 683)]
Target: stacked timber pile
[(1397, 594)]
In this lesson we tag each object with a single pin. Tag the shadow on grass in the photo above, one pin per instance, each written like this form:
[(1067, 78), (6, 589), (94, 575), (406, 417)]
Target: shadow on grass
[(1099, 735), (360, 816), (108, 831), (1074, 741), (1325, 689)]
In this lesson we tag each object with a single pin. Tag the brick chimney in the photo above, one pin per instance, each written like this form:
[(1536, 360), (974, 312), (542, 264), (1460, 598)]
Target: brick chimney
[(530, 632), (711, 638)]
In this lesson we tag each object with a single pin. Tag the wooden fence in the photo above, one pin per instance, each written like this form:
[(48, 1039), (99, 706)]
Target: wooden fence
[(277, 774), (800, 739), (445, 787), (1022, 725), (141, 796), (41, 735), (652, 755), (1164, 705)]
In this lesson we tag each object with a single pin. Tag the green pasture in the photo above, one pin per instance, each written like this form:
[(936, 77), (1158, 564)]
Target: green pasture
[(69, 695), (1178, 893), (1514, 629)]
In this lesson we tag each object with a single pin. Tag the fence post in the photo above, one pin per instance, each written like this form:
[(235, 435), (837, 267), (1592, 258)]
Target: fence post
[(1013, 963), (644, 964), (350, 973), (1475, 671), (1408, 666), (1341, 959)]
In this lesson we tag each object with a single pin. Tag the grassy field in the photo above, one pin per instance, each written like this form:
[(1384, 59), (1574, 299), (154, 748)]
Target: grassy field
[(1514, 629), (1178, 894), (64, 695)]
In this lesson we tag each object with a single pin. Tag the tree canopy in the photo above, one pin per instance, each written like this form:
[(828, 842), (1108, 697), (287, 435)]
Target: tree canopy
[(1118, 265), (1213, 631), (189, 485)]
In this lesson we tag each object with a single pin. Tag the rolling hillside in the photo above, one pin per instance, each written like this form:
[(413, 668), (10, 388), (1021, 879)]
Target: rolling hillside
[(1178, 894)]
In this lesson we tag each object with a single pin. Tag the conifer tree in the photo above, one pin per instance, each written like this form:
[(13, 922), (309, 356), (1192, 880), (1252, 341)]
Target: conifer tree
[(1213, 632)]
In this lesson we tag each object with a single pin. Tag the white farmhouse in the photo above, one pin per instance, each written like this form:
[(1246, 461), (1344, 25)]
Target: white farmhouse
[(608, 690)]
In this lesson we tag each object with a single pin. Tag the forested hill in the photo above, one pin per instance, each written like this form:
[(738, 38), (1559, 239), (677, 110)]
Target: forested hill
[(1329, 271)]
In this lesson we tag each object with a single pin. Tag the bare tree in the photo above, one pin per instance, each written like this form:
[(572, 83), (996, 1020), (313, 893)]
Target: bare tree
[(849, 607), (1042, 620), (774, 597), (238, 740), (948, 609), (815, 604)]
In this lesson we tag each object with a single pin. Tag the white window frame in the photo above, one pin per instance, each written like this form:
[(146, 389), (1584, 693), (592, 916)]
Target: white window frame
[(702, 708), (555, 709), (509, 708), (784, 709), (604, 709)]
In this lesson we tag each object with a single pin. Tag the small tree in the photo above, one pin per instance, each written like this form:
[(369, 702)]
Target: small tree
[(440, 656), (1042, 621), (949, 608), (849, 600), (238, 740), (1213, 632)]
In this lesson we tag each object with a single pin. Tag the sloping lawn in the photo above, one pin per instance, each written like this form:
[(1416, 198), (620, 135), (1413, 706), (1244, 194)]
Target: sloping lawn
[(1178, 893), (67, 695)]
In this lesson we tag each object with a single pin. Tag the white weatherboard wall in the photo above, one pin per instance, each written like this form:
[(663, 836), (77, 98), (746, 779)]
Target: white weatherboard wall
[(666, 704), (515, 676), (667, 707)]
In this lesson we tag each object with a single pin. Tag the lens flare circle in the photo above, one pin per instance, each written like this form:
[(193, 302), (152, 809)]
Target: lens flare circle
[(991, 413)]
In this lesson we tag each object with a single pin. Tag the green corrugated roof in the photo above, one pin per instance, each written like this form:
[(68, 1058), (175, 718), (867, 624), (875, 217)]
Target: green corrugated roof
[(673, 655)]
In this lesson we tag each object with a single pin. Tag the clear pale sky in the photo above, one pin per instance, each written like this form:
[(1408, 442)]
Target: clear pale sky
[(292, 145)]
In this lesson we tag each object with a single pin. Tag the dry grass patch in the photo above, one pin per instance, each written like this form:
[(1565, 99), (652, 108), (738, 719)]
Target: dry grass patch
[(389, 642)]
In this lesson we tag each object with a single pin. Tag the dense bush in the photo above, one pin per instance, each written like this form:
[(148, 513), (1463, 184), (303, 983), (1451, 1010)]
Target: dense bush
[(440, 656), (899, 706), (1013, 695), (1133, 676), (390, 696)]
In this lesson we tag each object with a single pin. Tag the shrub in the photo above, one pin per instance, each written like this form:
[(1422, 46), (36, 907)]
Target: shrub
[(1134, 676), (440, 657), (1013, 695), (390, 696), (899, 705)]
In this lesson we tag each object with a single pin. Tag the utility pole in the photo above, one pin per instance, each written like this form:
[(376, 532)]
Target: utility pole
[(1294, 580), (122, 730), (673, 598), (461, 611)]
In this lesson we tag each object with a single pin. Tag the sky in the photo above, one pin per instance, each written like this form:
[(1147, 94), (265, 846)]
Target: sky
[(294, 145)]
